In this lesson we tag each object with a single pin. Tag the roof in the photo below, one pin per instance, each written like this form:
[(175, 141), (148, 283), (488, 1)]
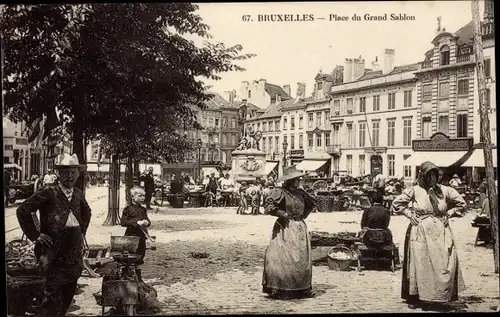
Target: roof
[(274, 90), (465, 34), (249, 105), (291, 104), (396, 70), (270, 112), (217, 102)]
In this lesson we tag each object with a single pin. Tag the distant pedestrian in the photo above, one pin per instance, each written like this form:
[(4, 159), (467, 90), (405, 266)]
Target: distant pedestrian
[(49, 179), (149, 187), (287, 261)]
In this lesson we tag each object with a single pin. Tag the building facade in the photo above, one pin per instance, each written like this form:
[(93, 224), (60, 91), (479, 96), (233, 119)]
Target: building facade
[(373, 118), (261, 93), (448, 100)]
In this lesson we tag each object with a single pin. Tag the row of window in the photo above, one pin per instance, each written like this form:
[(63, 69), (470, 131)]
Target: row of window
[(462, 123), (391, 103), (365, 138), (226, 139), (314, 119), (372, 137), (212, 122), (391, 165)]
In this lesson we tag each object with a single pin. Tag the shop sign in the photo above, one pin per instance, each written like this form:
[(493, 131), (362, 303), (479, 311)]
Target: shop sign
[(441, 142), (296, 153)]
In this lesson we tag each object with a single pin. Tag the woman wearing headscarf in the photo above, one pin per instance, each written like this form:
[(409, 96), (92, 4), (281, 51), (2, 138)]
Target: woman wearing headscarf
[(287, 262), (431, 273)]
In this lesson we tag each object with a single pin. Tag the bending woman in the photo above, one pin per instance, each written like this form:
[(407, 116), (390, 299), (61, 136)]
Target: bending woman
[(431, 274), (288, 263)]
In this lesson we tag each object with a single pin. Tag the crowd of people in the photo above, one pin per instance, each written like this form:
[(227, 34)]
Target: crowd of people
[(431, 271)]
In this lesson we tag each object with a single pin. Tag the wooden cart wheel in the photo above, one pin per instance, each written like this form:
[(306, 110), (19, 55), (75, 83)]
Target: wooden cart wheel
[(320, 185)]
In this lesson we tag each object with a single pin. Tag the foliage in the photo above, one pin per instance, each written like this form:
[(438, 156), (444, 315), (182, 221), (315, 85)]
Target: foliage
[(121, 72)]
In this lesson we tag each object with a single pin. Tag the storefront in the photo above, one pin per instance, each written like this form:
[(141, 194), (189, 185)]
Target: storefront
[(476, 162), (317, 164), (449, 154)]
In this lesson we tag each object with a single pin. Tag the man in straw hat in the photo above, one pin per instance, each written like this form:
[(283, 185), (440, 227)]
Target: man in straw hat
[(287, 262), (64, 219)]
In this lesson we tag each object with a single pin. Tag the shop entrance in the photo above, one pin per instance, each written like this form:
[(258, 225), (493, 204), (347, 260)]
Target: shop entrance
[(376, 164)]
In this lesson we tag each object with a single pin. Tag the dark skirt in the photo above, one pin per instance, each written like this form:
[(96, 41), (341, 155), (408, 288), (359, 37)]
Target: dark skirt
[(67, 265)]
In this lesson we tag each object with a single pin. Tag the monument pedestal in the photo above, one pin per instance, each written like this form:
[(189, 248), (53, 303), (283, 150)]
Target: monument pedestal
[(248, 164)]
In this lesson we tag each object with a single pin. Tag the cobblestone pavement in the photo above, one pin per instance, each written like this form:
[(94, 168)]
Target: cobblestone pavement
[(228, 278)]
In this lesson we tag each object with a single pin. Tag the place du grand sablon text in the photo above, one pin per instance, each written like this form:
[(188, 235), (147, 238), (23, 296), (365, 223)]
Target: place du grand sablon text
[(327, 17)]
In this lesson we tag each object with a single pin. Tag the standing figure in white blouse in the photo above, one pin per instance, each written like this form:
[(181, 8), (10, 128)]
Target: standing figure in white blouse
[(431, 272)]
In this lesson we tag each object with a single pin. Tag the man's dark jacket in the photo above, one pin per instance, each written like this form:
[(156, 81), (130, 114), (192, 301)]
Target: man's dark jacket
[(54, 210)]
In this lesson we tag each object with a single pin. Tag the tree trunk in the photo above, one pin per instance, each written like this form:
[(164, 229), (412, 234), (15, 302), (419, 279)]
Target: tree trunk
[(79, 150), (129, 180), (485, 132), (137, 172), (113, 217)]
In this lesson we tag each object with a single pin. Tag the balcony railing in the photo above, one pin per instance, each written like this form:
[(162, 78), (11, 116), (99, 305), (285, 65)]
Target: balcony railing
[(463, 58), (487, 28), (427, 65), (333, 149)]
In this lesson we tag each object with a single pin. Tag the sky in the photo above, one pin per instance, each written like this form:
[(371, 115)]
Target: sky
[(291, 52)]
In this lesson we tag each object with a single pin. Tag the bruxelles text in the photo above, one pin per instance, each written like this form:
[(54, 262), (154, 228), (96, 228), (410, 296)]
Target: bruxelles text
[(331, 17)]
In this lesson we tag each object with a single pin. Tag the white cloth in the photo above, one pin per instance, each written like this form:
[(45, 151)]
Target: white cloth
[(455, 182), (379, 181), (225, 183), (205, 181), (72, 221), (49, 179)]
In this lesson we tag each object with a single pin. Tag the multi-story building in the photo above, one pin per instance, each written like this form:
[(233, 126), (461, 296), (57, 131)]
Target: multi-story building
[(293, 129), (262, 94), (448, 120), (34, 158), (373, 117)]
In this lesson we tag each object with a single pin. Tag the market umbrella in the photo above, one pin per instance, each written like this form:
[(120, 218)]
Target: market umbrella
[(12, 166)]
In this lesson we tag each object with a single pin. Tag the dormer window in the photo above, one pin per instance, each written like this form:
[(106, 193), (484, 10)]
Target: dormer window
[(278, 98), (249, 94), (320, 85), (445, 55)]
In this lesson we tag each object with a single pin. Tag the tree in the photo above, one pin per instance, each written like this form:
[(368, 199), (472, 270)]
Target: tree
[(121, 72)]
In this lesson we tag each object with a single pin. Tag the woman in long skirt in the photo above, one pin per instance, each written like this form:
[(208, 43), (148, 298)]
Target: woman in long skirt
[(288, 263), (431, 273)]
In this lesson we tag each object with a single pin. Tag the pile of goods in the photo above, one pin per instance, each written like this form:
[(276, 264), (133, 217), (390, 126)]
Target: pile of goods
[(319, 238), (341, 255), (20, 254)]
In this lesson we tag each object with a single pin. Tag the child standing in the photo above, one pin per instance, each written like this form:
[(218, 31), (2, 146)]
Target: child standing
[(135, 218)]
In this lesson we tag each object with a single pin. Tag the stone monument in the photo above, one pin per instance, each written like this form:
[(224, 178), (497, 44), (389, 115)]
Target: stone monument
[(248, 161)]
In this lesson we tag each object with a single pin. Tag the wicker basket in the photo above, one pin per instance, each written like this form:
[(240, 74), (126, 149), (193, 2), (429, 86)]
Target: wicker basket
[(324, 203), (339, 264), (340, 204)]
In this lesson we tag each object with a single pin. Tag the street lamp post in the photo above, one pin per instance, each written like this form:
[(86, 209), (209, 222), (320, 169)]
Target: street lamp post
[(285, 145), (199, 144), (44, 162)]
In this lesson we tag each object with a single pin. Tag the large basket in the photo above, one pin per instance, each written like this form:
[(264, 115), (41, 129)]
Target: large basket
[(338, 264), (324, 203), (340, 204)]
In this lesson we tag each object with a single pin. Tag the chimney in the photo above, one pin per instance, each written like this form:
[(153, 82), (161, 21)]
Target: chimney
[(288, 90), (358, 68), (262, 84), (347, 70), (375, 64), (388, 61), (301, 90), (228, 96)]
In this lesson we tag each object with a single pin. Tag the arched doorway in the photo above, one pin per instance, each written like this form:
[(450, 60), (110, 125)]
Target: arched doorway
[(376, 164)]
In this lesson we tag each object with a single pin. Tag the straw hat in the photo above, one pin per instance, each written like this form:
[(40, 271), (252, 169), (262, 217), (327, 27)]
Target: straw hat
[(66, 161), (290, 173)]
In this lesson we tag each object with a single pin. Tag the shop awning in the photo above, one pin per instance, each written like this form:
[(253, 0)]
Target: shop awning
[(440, 159), (156, 168), (270, 166), (209, 170), (309, 165), (477, 158)]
